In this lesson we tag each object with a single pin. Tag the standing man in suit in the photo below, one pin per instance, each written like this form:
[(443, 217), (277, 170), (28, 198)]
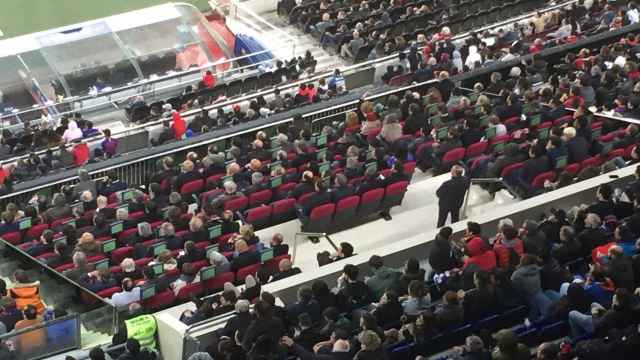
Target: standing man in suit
[(451, 195)]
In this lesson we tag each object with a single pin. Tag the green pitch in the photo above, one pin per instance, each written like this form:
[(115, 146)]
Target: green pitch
[(19, 17)]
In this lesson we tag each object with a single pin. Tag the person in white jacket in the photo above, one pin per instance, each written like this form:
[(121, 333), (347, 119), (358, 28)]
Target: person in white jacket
[(72, 132), (474, 58)]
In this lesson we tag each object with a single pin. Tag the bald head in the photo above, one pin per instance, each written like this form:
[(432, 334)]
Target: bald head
[(457, 170)]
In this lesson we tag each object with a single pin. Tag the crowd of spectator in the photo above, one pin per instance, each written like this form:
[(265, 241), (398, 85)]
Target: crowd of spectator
[(541, 264)]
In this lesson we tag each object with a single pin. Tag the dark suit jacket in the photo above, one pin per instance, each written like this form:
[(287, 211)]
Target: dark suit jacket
[(279, 250), (578, 149), (451, 193), (184, 178), (193, 256), (339, 193), (301, 189), (245, 259), (314, 200), (367, 184), (534, 167)]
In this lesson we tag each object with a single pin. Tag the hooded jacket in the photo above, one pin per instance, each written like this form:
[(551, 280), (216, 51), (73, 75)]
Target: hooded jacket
[(383, 278), (27, 294), (72, 132), (473, 57), (526, 279)]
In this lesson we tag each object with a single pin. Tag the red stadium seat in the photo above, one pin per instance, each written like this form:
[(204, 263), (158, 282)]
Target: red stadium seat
[(477, 149), (370, 202), (59, 222), (346, 209), (572, 168), (113, 198), (190, 289), (35, 231), (409, 167), (160, 301), (192, 187), (120, 254), (237, 203), (126, 233), (140, 263), (283, 190), (202, 244), (273, 264), (283, 210), (592, 161), (213, 180), (260, 197), (320, 218), (136, 215), (13, 238), (615, 153), (217, 282), (628, 151), (197, 265), (259, 217), (538, 181), (303, 198), (510, 168), (451, 157), (511, 121), (65, 267), (107, 293), (394, 194), (208, 196), (247, 270)]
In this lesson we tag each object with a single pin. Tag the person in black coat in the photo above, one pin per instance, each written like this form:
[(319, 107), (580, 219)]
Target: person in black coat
[(620, 269), (191, 254), (441, 256), (240, 322), (604, 206), (341, 189), (265, 324), (577, 146), (451, 195), (537, 164), (245, 256), (371, 181), (320, 197)]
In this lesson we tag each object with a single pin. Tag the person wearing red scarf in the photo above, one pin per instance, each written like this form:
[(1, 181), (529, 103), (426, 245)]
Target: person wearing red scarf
[(179, 126)]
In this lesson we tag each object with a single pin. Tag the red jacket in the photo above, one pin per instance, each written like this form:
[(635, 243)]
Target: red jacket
[(480, 254), (209, 80), (502, 252), (80, 154), (179, 126)]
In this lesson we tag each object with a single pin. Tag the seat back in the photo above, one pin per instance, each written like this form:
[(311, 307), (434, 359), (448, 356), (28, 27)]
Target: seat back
[(120, 254), (370, 202), (190, 289), (35, 231), (13, 238), (217, 282), (510, 168), (247, 270), (394, 194), (260, 197), (477, 149), (159, 301), (238, 203), (192, 187), (283, 210), (320, 218), (346, 209), (453, 155), (538, 181), (259, 217)]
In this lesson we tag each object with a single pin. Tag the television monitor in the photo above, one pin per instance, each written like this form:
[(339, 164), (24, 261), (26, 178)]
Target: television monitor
[(147, 291), (211, 248), (101, 264), (158, 269), (275, 164), (276, 181), (158, 247), (561, 162), (321, 140), (215, 231), (535, 120), (24, 223), (321, 154), (490, 132), (126, 195), (207, 272), (324, 167), (543, 133), (117, 227), (266, 255), (108, 245), (124, 207)]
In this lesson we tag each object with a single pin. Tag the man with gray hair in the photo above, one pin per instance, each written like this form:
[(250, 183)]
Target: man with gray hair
[(240, 322), (592, 236), (219, 261), (230, 192), (85, 183), (80, 267), (257, 184), (341, 188)]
